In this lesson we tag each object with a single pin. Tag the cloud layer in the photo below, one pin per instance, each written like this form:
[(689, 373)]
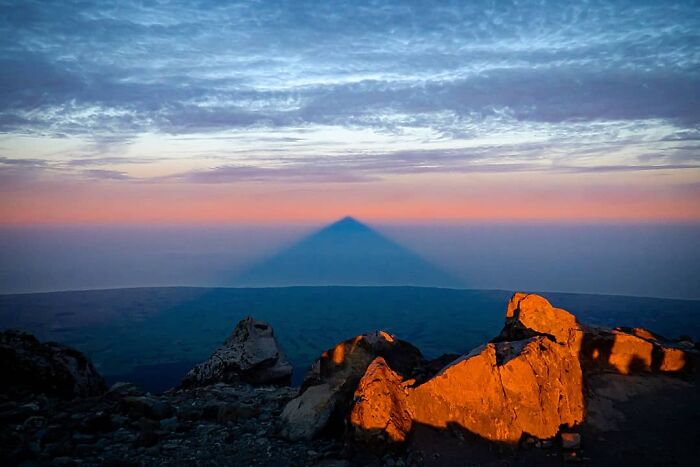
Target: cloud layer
[(340, 92)]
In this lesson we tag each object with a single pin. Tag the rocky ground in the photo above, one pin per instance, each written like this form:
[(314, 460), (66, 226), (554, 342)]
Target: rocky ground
[(546, 391)]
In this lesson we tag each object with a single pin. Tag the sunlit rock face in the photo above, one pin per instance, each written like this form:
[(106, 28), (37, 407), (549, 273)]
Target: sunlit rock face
[(30, 366), (633, 351), (528, 380), (381, 410), (503, 390), (250, 354), (338, 371), (530, 314), (622, 350), (498, 391)]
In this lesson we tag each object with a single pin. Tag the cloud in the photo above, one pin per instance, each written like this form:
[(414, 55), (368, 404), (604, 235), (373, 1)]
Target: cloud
[(595, 88)]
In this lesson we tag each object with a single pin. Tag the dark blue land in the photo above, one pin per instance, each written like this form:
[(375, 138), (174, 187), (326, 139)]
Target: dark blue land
[(153, 335)]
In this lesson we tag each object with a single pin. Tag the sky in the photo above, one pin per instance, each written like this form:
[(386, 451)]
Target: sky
[(305, 111)]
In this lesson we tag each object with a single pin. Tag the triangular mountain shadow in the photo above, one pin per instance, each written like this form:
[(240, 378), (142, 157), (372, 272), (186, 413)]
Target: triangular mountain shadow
[(346, 252)]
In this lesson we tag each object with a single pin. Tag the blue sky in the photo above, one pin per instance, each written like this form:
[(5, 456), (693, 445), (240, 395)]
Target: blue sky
[(319, 92)]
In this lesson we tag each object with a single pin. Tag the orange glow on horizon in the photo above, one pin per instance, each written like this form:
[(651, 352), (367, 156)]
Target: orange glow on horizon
[(412, 199)]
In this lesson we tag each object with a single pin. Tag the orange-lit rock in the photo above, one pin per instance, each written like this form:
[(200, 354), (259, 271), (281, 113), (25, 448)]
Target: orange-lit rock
[(380, 412), (531, 314), (344, 364), (501, 390), (629, 351), (498, 392), (339, 371)]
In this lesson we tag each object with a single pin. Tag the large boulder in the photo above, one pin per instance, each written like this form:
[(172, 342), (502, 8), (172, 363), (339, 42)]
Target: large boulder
[(333, 379), (498, 391), (250, 355), (622, 350), (30, 366)]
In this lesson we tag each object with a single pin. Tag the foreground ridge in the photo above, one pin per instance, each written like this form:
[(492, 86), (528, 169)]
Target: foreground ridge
[(546, 386)]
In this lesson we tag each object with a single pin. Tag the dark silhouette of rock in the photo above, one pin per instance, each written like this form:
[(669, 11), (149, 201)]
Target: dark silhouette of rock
[(346, 252), (250, 354), (30, 366), (329, 386)]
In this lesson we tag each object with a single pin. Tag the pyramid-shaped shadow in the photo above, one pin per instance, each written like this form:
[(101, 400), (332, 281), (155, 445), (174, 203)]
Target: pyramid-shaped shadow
[(346, 252)]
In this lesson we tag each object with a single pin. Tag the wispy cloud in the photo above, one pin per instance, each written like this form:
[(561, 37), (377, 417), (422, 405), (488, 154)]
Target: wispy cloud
[(594, 88)]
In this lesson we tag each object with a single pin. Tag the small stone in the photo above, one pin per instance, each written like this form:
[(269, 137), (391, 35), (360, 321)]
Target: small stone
[(169, 424), (570, 440), (34, 423), (146, 439), (83, 438), (161, 410)]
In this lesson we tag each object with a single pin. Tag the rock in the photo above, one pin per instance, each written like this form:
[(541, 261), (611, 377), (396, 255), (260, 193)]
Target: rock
[(624, 350), (334, 377), (136, 406), (529, 315), (96, 422), (169, 424), (499, 391), (628, 351), (570, 440), (344, 364), (381, 410), (161, 409), (251, 355), (146, 439), (228, 413), (34, 423), (45, 368), (122, 389), (306, 416)]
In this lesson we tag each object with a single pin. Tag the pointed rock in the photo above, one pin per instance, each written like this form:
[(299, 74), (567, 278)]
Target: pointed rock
[(337, 372), (381, 409), (251, 354)]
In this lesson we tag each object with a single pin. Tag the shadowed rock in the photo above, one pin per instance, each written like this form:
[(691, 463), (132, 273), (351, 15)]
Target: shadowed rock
[(249, 355), (45, 368), (329, 386)]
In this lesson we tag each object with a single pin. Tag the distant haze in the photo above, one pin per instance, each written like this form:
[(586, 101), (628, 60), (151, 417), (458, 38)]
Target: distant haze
[(641, 260)]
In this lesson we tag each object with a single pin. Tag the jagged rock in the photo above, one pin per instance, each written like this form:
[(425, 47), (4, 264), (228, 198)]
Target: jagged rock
[(344, 364), (381, 410), (45, 368), (529, 315), (251, 355), (334, 378), (624, 350), (498, 391), (636, 351)]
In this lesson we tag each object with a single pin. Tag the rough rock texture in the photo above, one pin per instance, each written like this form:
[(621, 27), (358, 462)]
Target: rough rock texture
[(381, 409), (528, 381), (338, 371), (250, 354), (49, 368), (307, 415), (344, 364), (530, 315), (503, 390), (498, 392), (216, 425), (622, 350)]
